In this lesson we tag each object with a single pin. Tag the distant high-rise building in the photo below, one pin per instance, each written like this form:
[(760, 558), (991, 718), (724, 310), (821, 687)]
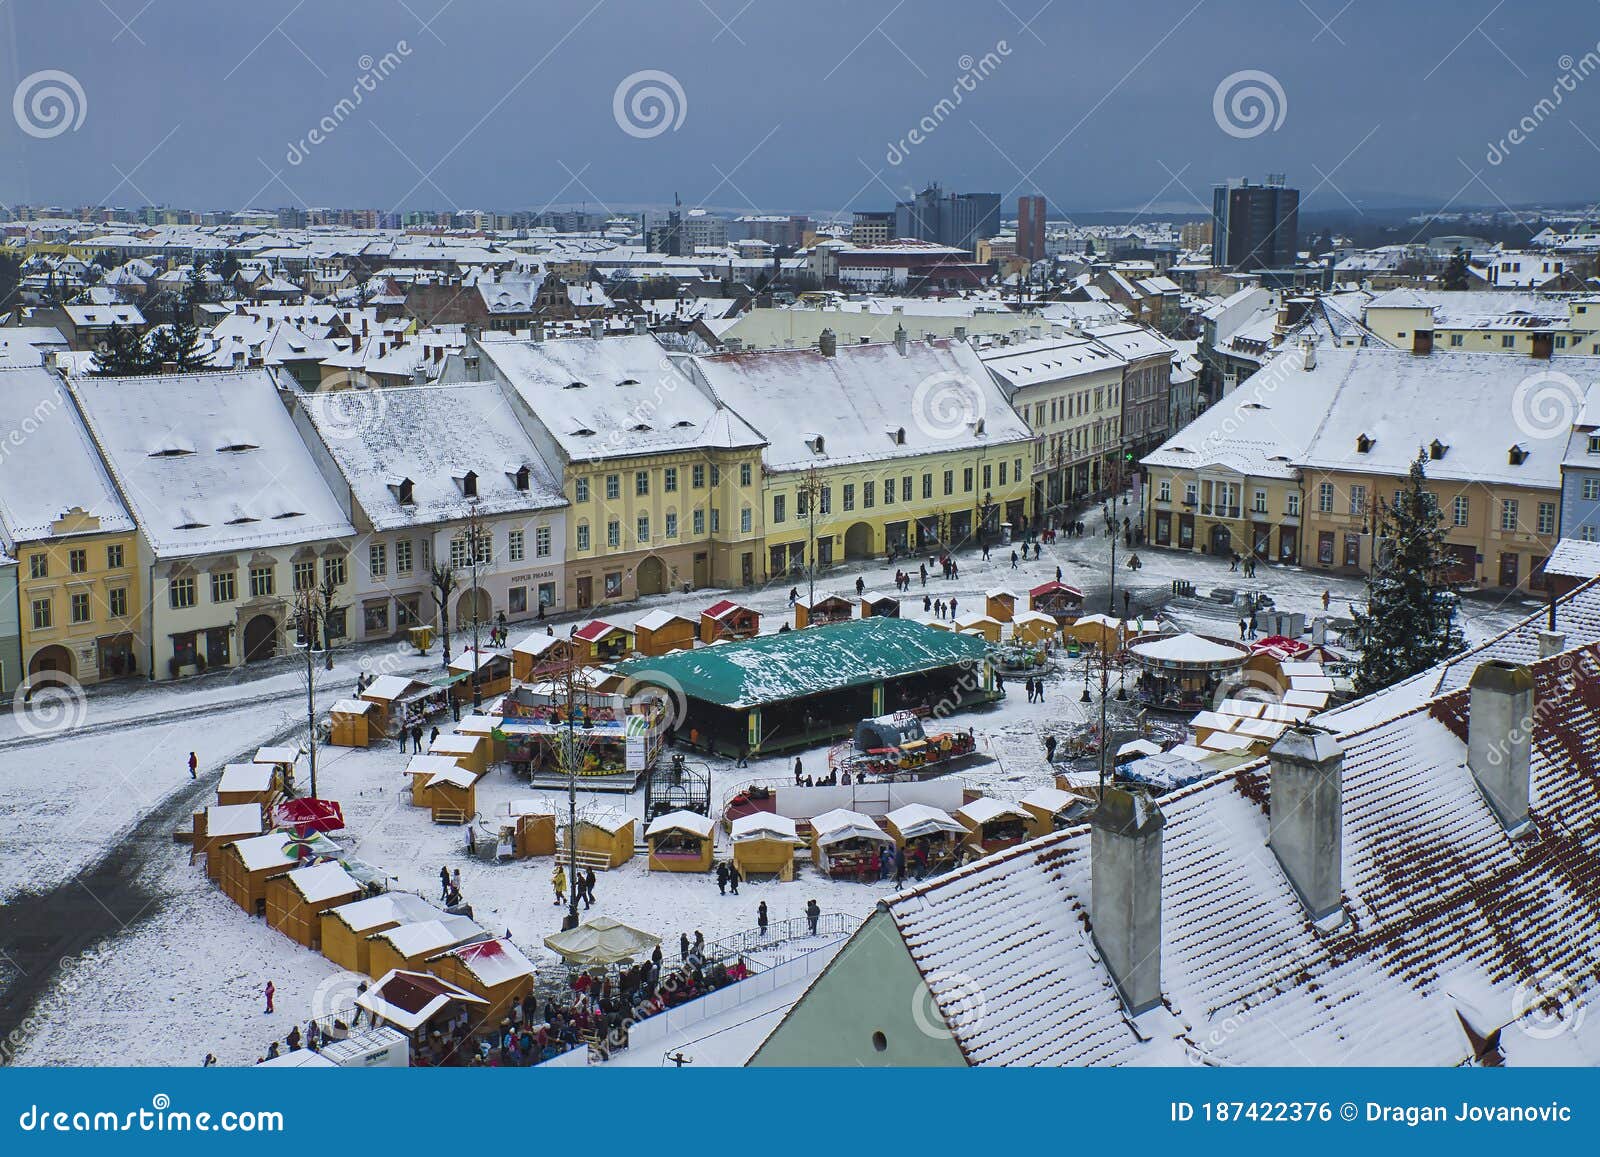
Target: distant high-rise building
[(871, 226), (773, 228), (1254, 226), (957, 219), (1030, 227)]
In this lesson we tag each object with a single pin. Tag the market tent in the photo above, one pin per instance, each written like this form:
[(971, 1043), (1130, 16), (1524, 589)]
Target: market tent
[(915, 820), (601, 940), (1189, 651)]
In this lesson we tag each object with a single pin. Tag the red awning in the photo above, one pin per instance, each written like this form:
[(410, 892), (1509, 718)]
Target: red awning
[(308, 814)]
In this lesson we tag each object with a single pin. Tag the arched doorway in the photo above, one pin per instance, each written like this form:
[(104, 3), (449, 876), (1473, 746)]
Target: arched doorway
[(1221, 540), (651, 577), (51, 660), (464, 609), (260, 638), (858, 541)]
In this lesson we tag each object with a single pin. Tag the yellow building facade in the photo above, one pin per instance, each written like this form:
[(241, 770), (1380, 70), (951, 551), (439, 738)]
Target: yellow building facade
[(80, 600)]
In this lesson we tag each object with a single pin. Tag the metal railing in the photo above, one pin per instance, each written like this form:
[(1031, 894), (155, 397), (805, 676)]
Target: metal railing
[(781, 932)]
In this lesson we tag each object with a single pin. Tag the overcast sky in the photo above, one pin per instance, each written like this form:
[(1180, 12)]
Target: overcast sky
[(789, 105)]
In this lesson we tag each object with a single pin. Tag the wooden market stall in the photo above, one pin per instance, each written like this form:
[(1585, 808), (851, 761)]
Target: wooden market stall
[(223, 823), (346, 928), (824, 609), (660, 632), (470, 751), (533, 824), (452, 795), (764, 844), (726, 619), (411, 945), (283, 757), (493, 668), (1050, 809), (930, 837), (417, 1003), (245, 866), (350, 723), (541, 655), (993, 824), (422, 768), (1102, 632), (486, 727), (402, 702), (999, 604), (882, 605), (260, 783), (296, 900), (983, 625), (1035, 628), (605, 838), (681, 841), (1058, 600), (598, 641), (847, 844), (496, 970)]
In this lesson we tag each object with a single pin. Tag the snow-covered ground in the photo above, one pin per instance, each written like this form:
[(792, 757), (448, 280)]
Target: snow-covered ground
[(186, 977)]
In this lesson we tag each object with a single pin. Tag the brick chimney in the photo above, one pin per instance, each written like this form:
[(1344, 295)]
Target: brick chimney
[(1306, 827), (597, 328), (900, 340), (1125, 897), (828, 343), (1500, 738)]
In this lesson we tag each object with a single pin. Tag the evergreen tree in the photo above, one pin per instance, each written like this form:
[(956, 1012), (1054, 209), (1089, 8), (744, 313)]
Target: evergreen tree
[(10, 278), (1409, 622), (1455, 274), (125, 355)]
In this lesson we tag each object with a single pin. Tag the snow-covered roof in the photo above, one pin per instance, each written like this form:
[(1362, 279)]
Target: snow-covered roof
[(233, 819), (433, 436), (867, 403), (843, 824), (455, 776), (391, 687), (615, 397), (986, 809), (1190, 648), (246, 777), (387, 908), (681, 821), (493, 962), (920, 819), (1246, 979), (210, 462), (657, 619), (433, 935), (279, 753), (1048, 361), (606, 819), (50, 465), (272, 850), (1573, 558), (1051, 799), (430, 764), (319, 883), (410, 1000), (536, 644), (763, 826)]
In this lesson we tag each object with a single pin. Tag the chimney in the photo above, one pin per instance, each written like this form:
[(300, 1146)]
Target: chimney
[(640, 326), (597, 328), (1500, 738), (900, 340), (1308, 352), (536, 331), (1125, 894), (828, 343), (1306, 826), (1551, 643), (960, 333)]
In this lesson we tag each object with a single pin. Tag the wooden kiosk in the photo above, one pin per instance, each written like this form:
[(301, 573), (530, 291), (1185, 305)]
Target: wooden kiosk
[(999, 604), (1058, 600), (497, 970), (350, 723), (764, 844), (224, 823), (598, 641), (605, 839), (660, 632), (993, 824), (296, 900), (1050, 809), (346, 928), (726, 619), (824, 610), (533, 823), (681, 841), (930, 837), (882, 605), (540, 655), (260, 783)]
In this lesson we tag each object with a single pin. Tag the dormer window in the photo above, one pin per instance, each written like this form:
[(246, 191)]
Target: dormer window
[(628, 382), (521, 478), (1516, 456), (235, 448), (816, 444), (576, 385), (469, 484), (1363, 444), (641, 428), (1437, 449), (899, 435), (405, 492), (977, 427)]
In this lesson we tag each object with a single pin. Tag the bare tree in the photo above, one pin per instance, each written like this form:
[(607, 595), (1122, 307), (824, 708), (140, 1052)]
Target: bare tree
[(442, 576)]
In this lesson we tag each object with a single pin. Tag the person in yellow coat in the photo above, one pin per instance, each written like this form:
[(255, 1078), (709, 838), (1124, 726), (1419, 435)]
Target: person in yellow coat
[(558, 881)]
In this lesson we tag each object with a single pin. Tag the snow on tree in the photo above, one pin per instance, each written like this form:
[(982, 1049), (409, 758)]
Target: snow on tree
[(1409, 623)]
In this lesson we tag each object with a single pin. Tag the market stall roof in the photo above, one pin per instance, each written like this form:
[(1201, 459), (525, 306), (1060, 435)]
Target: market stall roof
[(283, 753), (764, 826), (430, 764), (986, 809), (1022, 617), (297, 1059), (597, 629), (681, 821), (1191, 650), (919, 819), (537, 644), (252, 777), (233, 819), (601, 940), (352, 707), (1052, 587), (443, 931), (658, 619), (410, 1000), (721, 609), (1280, 645), (1315, 700), (391, 687), (606, 819), (388, 908), (282, 849), (1141, 746), (1053, 799), (999, 593), (455, 775), (976, 619), (493, 962), (530, 807), (322, 882), (793, 664), (454, 743), (842, 824), (484, 657)]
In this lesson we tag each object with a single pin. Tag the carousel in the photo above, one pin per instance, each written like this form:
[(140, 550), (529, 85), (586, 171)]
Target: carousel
[(1183, 673)]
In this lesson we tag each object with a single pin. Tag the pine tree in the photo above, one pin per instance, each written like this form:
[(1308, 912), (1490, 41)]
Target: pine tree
[(1409, 622), (125, 355), (1455, 274)]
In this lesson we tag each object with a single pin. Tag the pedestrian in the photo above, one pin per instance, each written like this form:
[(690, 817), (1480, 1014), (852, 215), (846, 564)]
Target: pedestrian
[(444, 881), (722, 879), (416, 739), (734, 878), (1058, 574), (938, 608), (955, 569), (455, 880), (1244, 625), (1013, 560), (588, 889), (210, 1062), (1327, 597), (558, 881), (813, 914), (952, 607), (794, 595), (927, 604), (899, 867), (271, 991), (194, 765), (797, 771), (761, 918), (985, 552), (699, 946), (860, 586), (432, 736), (683, 947), (923, 570), (1049, 748)]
